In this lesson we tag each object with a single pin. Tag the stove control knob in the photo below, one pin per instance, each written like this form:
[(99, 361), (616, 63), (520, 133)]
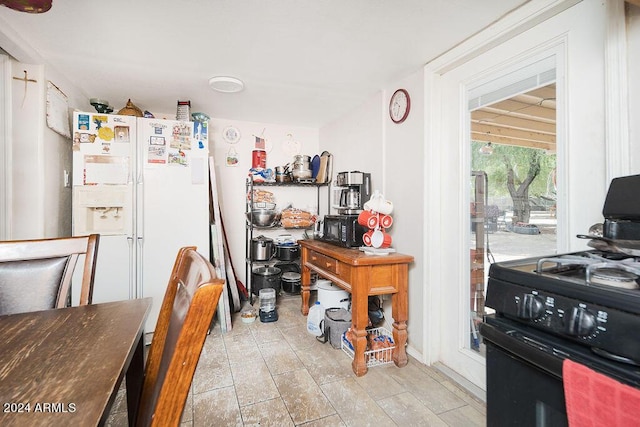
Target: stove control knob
[(531, 307), (580, 322)]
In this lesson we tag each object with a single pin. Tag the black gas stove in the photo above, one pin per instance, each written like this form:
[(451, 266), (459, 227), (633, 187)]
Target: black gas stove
[(582, 306), (589, 297)]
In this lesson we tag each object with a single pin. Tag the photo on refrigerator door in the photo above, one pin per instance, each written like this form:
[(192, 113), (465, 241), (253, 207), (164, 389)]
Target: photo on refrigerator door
[(82, 138), (201, 131), (157, 150), (178, 157), (181, 136), (83, 122), (122, 133)]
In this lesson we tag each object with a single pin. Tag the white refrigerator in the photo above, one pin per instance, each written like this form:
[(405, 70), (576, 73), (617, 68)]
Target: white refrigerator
[(142, 184)]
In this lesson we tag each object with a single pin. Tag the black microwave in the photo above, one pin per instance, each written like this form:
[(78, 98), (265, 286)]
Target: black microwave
[(343, 230)]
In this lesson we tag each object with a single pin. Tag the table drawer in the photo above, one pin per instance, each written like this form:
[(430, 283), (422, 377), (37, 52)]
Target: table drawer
[(323, 262)]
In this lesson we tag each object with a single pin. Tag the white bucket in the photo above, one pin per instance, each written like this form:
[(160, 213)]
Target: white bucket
[(331, 296)]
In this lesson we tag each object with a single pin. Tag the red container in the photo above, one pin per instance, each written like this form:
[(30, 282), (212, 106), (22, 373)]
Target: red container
[(259, 159)]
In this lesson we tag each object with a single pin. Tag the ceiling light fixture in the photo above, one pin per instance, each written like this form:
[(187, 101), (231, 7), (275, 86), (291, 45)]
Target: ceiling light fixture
[(226, 84), (29, 6)]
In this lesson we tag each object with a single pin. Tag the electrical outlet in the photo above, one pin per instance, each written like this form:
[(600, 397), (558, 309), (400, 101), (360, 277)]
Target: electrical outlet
[(65, 179)]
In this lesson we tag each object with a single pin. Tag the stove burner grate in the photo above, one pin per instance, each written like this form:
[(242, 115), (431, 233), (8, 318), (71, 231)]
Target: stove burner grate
[(614, 277), (594, 269), (617, 274)]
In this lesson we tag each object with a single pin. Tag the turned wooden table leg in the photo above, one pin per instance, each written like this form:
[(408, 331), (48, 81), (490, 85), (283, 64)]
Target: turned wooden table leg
[(360, 320), (399, 307), (306, 289)]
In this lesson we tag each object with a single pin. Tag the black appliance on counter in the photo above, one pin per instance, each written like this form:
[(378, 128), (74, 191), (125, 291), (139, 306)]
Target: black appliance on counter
[(353, 190), (582, 306), (342, 230)]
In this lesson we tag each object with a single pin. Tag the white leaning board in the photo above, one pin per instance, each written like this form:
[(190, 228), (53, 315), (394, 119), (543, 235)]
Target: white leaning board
[(219, 262)]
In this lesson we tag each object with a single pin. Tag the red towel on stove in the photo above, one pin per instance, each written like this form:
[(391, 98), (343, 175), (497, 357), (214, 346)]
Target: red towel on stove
[(593, 399)]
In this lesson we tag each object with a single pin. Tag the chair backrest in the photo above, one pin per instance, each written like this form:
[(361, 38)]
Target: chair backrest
[(36, 274), (183, 323)]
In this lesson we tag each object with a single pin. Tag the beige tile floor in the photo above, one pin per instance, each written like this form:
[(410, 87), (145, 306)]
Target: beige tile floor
[(277, 374)]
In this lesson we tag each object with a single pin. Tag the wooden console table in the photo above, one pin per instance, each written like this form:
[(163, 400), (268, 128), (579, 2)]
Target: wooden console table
[(361, 275)]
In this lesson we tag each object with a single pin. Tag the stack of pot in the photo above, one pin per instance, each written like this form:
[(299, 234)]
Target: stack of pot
[(301, 168), (282, 174), (265, 277), (262, 248), (288, 253)]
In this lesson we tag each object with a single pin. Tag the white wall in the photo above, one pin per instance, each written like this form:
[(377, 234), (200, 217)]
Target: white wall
[(26, 156), (404, 184), (40, 205), (231, 180), (356, 140), (367, 140)]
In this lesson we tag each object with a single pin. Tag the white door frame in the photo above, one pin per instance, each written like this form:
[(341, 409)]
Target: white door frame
[(5, 147), (446, 151)]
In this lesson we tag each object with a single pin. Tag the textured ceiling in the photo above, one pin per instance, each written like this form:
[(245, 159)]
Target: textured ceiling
[(303, 62)]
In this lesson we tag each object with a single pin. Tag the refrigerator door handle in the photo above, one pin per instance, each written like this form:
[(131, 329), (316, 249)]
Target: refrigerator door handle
[(131, 268), (139, 270), (140, 162)]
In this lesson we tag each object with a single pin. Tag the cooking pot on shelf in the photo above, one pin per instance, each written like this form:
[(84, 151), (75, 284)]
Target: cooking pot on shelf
[(301, 168), (265, 277), (291, 282), (262, 248), (283, 174), (301, 158), (301, 174), (288, 267), (287, 251)]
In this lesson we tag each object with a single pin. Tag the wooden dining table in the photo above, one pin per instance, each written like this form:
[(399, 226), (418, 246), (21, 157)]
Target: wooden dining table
[(65, 366)]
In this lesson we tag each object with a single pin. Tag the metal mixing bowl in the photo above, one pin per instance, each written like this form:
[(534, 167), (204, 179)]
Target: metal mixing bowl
[(263, 217), (301, 174)]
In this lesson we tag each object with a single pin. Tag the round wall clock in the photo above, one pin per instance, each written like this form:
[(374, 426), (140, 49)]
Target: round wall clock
[(231, 134), (399, 106)]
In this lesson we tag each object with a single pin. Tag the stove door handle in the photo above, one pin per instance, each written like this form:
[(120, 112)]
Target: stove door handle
[(614, 357)]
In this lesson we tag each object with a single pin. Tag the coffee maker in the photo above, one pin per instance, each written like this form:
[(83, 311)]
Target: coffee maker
[(353, 190)]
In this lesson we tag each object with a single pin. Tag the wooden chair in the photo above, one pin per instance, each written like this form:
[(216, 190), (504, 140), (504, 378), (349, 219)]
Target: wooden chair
[(36, 274), (183, 323)]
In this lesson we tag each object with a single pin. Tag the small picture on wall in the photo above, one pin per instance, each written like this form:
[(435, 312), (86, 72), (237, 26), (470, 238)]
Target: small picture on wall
[(232, 157)]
